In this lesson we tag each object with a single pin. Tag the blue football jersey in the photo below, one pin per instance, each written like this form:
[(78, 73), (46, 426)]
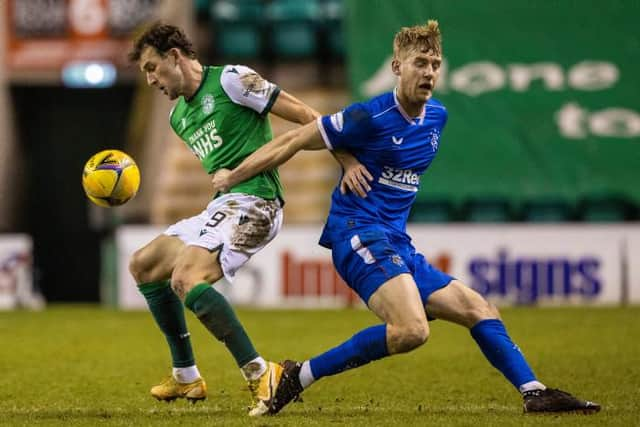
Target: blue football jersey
[(395, 148)]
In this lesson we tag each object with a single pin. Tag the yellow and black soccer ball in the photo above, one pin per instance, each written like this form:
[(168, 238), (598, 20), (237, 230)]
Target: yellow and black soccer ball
[(110, 178)]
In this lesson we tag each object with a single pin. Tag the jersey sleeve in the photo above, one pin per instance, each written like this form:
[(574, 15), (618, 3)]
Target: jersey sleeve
[(347, 129), (444, 118), (246, 87), (441, 113)]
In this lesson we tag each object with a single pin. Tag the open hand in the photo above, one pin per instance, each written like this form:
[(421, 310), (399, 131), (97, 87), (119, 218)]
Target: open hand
[(356, 178)]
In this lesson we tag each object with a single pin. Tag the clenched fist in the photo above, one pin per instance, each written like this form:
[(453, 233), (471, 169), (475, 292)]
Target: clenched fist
[(220, 181)]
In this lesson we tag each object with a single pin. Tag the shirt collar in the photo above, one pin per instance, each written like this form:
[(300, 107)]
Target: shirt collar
[(406, 116)]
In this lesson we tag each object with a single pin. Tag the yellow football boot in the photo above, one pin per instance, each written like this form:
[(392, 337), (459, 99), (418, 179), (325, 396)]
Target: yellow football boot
[(170, 390), (264, 389)]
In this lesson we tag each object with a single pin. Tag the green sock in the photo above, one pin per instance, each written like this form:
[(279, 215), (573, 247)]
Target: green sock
[(217, 315), (168, 312)]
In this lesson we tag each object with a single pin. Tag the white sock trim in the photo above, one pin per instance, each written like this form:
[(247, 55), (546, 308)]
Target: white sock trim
[(306, 376), (531, 385), (186, 375), (254, 369)]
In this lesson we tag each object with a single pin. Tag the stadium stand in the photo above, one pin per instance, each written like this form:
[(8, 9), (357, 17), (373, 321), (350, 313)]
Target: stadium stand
[(606, 208), (333, 28), (293, 28), (298, 44), (238, 28), (487, 209), (547, 210), (436, 210)]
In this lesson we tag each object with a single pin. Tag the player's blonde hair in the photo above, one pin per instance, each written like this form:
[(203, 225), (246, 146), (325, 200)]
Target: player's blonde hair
[(419, 37)]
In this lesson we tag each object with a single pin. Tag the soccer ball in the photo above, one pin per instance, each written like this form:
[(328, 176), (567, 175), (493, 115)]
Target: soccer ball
[(110, 178)]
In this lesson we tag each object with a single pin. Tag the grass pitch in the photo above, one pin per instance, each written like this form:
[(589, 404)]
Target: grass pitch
[(87, 366)]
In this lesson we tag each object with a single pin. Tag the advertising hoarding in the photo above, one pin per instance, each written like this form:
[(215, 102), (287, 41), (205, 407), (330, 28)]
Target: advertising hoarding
[(508, 264)]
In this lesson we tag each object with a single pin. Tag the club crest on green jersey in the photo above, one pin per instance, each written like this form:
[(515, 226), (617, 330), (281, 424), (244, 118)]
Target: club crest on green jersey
[(207, 104)]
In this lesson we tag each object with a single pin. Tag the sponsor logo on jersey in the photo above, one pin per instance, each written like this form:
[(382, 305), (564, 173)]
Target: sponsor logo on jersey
[(397, 141), (208, 103), (435, 139), (402, 179), (253, 83), (204, 140), (337, 121)]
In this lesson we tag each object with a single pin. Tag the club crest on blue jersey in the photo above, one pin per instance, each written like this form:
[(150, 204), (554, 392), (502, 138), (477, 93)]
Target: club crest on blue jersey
[(208, 103), (435, 139), (397, 260)]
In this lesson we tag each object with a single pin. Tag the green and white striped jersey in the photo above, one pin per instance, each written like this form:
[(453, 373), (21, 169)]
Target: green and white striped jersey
[(226, 120)]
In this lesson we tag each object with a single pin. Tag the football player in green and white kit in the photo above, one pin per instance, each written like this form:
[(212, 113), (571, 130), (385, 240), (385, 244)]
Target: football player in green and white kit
[(221, 114)]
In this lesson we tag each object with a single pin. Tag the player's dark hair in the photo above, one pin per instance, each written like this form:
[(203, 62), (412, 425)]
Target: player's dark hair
[(162, 37)]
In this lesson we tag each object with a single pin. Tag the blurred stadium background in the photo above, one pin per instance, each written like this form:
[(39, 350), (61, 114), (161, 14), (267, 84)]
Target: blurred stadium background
[(534, 195), (533, 200)]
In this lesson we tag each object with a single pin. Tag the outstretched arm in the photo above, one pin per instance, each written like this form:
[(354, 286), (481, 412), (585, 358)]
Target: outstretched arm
[(292, 109), (356, 177), (246, 87), (269, 156)]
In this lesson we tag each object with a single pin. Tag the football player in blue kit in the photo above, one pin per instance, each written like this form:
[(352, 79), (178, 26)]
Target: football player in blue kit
[(395, 136)]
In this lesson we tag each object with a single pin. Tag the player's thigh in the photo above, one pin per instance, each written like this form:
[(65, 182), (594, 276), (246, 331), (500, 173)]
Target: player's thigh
[(238, 226), (366, 259), (428, 278), (195, 265), (223, 238), (157, 259), (374, 268), (460, 304), (397, 302)]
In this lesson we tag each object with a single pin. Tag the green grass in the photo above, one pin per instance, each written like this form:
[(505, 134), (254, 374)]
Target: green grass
[(87, 366)]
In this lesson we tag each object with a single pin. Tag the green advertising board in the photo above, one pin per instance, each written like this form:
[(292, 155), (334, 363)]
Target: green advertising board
[(543, 96)]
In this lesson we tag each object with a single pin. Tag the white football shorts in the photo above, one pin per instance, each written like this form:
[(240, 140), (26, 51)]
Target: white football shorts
[(237, 224)]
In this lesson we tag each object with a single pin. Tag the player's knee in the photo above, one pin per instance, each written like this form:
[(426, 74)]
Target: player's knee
[(483, 310), (140, 267), (179, 287), (181, 281), (185, 277), (493, 311), (411, 336)]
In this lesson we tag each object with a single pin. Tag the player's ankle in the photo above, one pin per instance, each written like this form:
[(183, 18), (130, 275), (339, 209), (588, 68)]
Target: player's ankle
[(306, 376), (186, 374), (254, 369), (531, 385)]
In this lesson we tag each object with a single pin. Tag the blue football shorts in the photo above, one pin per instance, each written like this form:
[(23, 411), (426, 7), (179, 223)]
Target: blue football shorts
[(370, 257)]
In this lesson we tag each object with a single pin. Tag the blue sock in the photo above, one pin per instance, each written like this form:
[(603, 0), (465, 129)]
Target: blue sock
[(503, 354), (365, 346)]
